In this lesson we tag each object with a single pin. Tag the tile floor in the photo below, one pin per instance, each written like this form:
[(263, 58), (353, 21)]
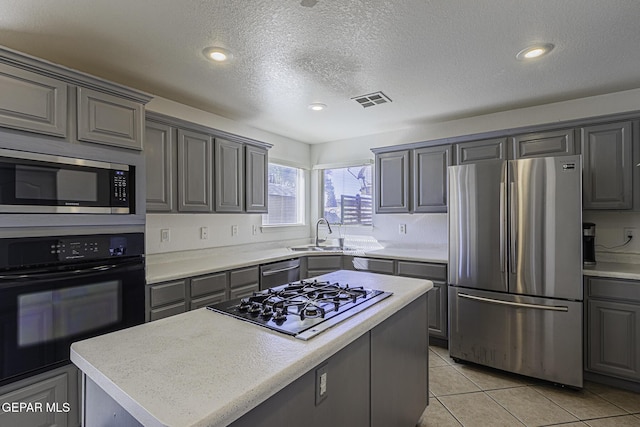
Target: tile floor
[(467, 395)]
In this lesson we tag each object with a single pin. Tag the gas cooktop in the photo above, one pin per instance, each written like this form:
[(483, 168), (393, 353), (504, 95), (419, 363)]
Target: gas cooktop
[(302, 309)]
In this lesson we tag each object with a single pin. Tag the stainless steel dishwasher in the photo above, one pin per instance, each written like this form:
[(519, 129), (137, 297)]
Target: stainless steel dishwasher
[(279, 273)]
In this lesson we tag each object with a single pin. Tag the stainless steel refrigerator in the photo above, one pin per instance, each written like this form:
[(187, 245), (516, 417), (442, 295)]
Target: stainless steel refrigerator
[(515, 266)]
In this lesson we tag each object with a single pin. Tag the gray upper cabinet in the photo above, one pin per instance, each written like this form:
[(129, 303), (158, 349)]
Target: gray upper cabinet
[(32, 102), (229, 176), (392, 182), (608, 166), (552, 143), (195, 165), (161, 163), (478, 151), (111, 120), (430, 178), (256, 161)]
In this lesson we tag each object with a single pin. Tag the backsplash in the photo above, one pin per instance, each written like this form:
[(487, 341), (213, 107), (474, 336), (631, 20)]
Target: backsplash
[(185, 231), (417, 229), (610, 236)]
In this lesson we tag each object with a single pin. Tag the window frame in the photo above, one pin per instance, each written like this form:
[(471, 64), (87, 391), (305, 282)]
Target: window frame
[(300, 196), (321, 182)]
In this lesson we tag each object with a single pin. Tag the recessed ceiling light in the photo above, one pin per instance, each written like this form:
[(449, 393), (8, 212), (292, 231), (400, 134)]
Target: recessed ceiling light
[(535, 51), (217, 54), (317, 106)]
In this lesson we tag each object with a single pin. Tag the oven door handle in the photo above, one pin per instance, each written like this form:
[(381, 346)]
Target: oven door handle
[(76, 272)]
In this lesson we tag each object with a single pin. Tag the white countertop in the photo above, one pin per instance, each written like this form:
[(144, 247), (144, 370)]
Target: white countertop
[(617, 270), (202, 368), (179, 265)]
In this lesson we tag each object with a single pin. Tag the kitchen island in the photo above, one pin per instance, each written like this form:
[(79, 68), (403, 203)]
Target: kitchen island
[(202, 368)]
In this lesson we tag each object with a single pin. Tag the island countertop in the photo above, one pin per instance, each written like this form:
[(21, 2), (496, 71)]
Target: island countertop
[(202, 368)]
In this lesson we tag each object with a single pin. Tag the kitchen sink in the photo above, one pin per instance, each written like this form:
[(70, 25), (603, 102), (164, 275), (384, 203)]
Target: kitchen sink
[(319, 248)]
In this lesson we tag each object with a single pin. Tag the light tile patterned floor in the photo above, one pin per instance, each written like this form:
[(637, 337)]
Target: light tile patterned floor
[(470, 396)]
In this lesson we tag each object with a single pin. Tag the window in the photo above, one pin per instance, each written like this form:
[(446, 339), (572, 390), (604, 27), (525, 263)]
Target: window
[(286, 196), (347, 195)]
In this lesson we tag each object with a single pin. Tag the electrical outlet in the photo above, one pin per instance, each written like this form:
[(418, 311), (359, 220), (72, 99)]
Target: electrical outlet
[(629, 233), (402, 228), (234, 230), (321, 383), (204, 233), (165, 235)]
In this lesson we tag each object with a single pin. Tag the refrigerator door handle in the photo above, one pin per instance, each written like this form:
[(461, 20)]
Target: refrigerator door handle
[(502, 227), (513, 234), (514, 304)]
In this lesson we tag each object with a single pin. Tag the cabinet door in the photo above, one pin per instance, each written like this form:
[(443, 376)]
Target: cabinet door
[(229, 160), (553, 143), (32, 102), (374, 265), (438, 310), (257, 187), (478, 151), (608, 166), (614, 338), (49, 391), (430, 178), (244, 291), (195, 164), (392, 182), (161, 164), (108, 119)]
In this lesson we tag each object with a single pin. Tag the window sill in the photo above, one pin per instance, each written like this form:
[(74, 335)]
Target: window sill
[(281, 227)]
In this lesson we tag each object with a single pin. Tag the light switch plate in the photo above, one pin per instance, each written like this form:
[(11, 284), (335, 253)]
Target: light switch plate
[(322, 376), (165, 235)]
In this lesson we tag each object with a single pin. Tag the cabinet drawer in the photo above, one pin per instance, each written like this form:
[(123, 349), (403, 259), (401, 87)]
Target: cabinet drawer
[(422, 270), (244, 276), (208, 284), (160, 313), (108, 119), (244, 291), (208, 300), (324, 262), (166, 293), (384, 266), (615, 289)]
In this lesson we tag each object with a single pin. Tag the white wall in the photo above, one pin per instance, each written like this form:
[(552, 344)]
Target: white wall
[(185, 228), (432, 227), (610, 227)]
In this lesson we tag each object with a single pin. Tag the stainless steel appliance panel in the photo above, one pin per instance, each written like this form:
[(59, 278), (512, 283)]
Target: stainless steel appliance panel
[(477, 234), (279, 273), (537, 337), (544, 205)]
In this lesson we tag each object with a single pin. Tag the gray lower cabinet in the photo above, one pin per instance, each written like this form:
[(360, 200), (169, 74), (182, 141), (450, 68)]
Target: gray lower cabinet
[(195, 166), (392, 182), (430, 178), (229, 176), (318, 265), (108, 119), (166, 299), (379, 380), (613, 327), (257, 186), (543, 144), (32, 102), (244, 282), (608, 166), (54, 396), (208, 289), (438, 299), (160, 152), (478, 151)]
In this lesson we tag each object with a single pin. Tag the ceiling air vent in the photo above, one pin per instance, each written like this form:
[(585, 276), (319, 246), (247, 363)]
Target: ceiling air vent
[(372, 99)]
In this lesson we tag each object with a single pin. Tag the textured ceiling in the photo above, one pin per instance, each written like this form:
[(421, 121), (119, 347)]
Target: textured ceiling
[(436, 60)]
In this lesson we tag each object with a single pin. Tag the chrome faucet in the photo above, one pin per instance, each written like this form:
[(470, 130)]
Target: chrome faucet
[(318, 241)]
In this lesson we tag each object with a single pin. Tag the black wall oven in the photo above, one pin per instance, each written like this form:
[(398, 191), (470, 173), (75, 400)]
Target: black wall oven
[(61, 289), (43, 183)]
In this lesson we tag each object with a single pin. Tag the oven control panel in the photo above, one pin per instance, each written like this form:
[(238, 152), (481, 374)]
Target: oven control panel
[(50, 250)]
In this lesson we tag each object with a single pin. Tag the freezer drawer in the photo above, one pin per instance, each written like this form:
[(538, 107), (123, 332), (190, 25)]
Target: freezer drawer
[(537, 337)]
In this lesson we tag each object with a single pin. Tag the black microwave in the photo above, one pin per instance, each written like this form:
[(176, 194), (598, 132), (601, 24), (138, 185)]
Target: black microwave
[(43, 183)]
